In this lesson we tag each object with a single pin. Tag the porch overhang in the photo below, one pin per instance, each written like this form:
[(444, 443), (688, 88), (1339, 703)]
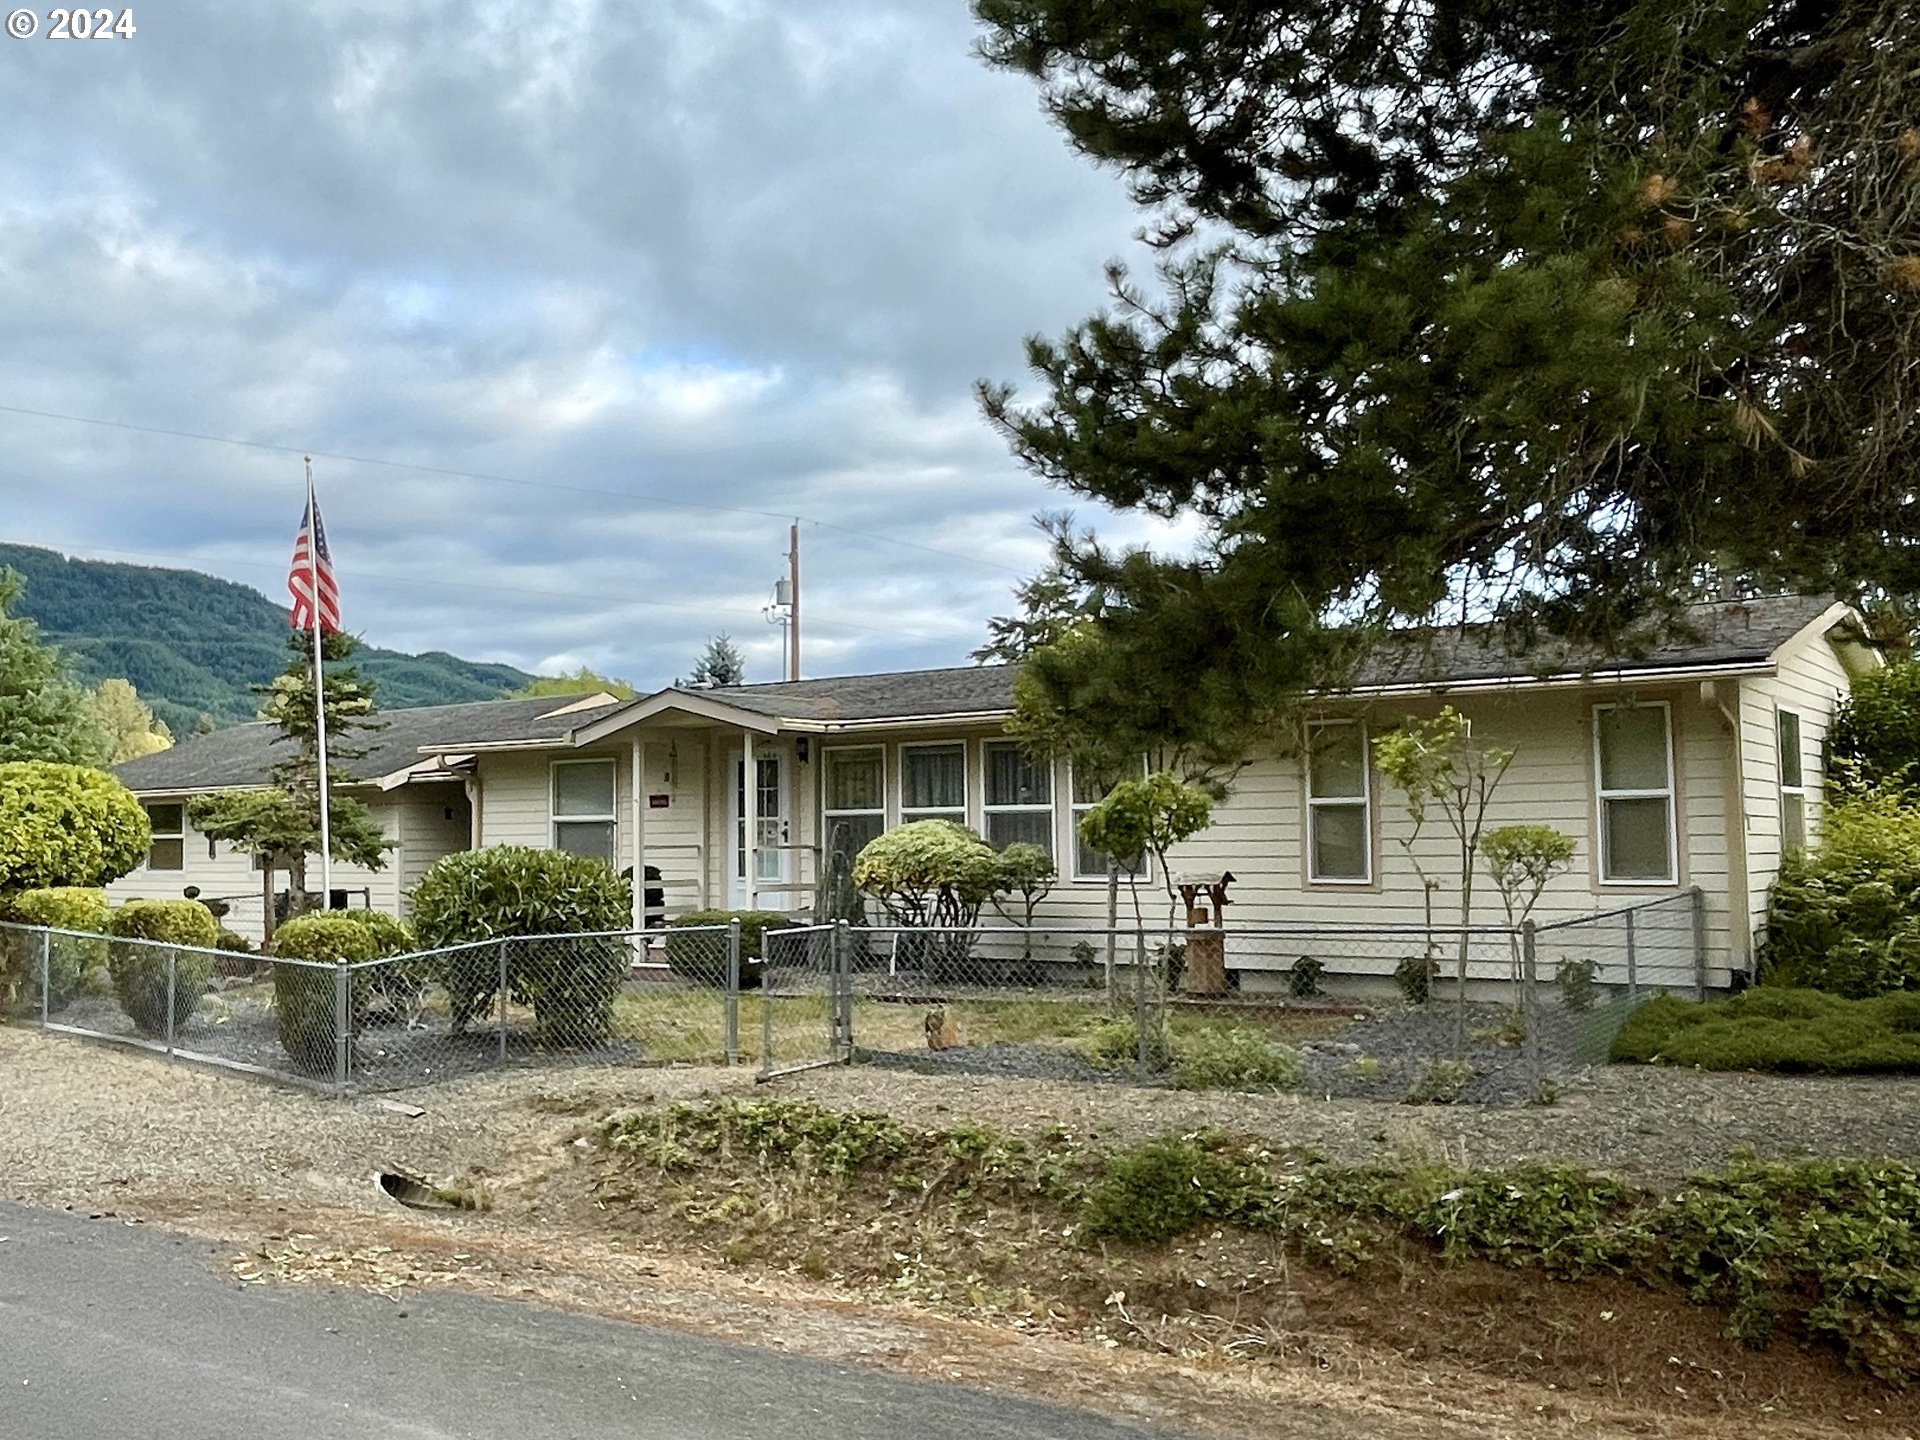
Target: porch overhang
[(682, 702)]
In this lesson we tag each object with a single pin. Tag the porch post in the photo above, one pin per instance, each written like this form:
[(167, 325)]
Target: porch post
[(637, 815), (750, 821)]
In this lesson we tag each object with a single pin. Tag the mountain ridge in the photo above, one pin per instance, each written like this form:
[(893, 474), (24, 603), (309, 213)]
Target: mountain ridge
[(195, 645)]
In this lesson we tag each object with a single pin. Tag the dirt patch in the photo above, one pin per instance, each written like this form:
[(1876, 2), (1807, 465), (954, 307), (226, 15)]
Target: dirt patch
[(287, 1178)]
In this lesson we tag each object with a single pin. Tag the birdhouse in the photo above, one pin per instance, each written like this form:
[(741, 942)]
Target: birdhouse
[(1205, 896)]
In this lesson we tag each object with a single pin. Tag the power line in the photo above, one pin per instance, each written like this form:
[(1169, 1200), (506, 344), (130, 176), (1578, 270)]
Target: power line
[(497, 479)]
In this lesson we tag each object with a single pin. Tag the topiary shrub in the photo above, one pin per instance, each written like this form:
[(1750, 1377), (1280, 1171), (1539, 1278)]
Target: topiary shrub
[(702, 958), (1842, 917), (931, 875), (71, 958), (509, 891), (66, 825), (146, 935), (308, 953), (396, 989)]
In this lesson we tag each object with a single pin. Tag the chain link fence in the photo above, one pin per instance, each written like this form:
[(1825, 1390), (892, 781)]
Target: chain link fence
[(1245, 1006)]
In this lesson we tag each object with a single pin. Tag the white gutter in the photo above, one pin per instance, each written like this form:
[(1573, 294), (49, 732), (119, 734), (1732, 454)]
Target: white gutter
[(1564, 681)]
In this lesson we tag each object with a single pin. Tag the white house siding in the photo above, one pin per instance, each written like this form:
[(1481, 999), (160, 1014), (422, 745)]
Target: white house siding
[(229, 874), (516, 803), (434, 821), (1811, 681)]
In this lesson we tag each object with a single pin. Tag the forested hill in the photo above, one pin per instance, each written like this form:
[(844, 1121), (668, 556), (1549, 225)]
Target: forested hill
[(193, 645)]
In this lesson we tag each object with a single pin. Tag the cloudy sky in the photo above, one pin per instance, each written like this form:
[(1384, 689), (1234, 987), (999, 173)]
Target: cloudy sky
[(657, 275)]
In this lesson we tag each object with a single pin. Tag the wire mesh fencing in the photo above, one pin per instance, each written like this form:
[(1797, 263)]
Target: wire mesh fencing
[(1383, 1012)]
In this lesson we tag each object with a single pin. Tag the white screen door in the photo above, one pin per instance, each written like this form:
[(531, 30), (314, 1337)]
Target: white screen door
[(769, 853)]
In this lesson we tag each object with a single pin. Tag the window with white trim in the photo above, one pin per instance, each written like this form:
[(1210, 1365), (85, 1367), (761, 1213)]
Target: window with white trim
[(1793, 786), (583, 808), (853, 797), (1339, 787), (1088, 791), (1019, 796), (933, 783), (1633, 777), (168, 821)]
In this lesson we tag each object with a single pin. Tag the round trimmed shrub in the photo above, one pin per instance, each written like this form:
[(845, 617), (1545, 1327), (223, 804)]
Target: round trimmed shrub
[(145, 934), (703, 958), (393, 990), (70, 958), (66, 825), (308, 953), (514, 891)]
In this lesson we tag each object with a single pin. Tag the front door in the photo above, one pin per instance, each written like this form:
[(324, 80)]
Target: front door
[(770, 867)]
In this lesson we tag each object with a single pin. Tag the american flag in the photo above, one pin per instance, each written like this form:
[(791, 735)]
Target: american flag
[(309, 565)]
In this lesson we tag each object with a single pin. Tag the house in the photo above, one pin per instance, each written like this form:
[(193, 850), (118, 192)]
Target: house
[(1687, 767)]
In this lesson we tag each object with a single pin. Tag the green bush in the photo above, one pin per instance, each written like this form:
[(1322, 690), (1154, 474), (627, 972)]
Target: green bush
[(1442, 1082), (1576, 982), (1845, 916), (146, 934), (1415, 975), (71, 960), (394, 989), (1875, 738), (515, 891), (308, 952), (703, 957), (233, 942), (1166, 1188), (1303, 980), (66, 825), (1785, 1031), (1237, 1058)]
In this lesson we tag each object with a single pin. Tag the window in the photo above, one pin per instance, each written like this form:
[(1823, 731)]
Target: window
[(1339, 798), (1019, 804), (1793, 787), (1089, 863), (1633, 757), (169, 848), (853, 797), (933, 782), (583, 806)]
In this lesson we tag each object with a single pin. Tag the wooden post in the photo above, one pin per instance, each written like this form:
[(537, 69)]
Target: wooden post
[(749, 823)]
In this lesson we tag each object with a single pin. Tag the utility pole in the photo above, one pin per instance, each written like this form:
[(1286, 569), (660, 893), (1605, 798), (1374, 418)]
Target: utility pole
[(793, 580)]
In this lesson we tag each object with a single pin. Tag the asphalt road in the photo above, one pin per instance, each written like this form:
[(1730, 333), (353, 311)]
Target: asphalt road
[(115, 1332)]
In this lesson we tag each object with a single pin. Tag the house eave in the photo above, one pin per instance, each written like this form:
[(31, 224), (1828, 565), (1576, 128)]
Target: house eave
[(1567, 680)]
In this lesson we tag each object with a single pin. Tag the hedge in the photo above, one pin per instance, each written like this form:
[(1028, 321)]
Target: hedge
[(1785, 1031), (703, 958), (1845, 917), (145, 933), (509, 891), (70, 958), (66, 825), (304, 994)]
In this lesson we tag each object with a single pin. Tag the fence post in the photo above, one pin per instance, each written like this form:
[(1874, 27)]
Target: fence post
[(1699, 943), (46, 977), (1140, 997), (766, 1017), (342, 1027), (1633, 967), (172, 980), (842, 991), (502, 1051), (733, 991), (1529, 1003)]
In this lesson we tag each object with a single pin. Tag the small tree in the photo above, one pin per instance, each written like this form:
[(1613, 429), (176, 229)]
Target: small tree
[(1522, 861), (1438, 764), (1147, 817), (721, 663), (931, 875), (1028, 874), (282, 824)]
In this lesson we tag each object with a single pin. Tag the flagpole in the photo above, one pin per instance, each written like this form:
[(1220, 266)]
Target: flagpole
[(319, 691)]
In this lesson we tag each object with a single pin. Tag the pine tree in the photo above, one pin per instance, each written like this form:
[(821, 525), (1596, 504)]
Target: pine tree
[(44, 713), (719, 664), (282, 824), (1530, 311)]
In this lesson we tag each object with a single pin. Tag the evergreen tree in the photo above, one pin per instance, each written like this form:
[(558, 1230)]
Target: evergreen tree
[(1516, 309), (127, 721), (721, 663), (283, 823), (44, 714)]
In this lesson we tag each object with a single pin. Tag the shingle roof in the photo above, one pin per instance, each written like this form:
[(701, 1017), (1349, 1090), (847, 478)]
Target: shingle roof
[(1714, 634), (242, 754), (1731, 633), (898, 694)]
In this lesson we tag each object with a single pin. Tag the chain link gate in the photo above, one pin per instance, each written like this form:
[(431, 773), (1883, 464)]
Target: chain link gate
[(806, 999)]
